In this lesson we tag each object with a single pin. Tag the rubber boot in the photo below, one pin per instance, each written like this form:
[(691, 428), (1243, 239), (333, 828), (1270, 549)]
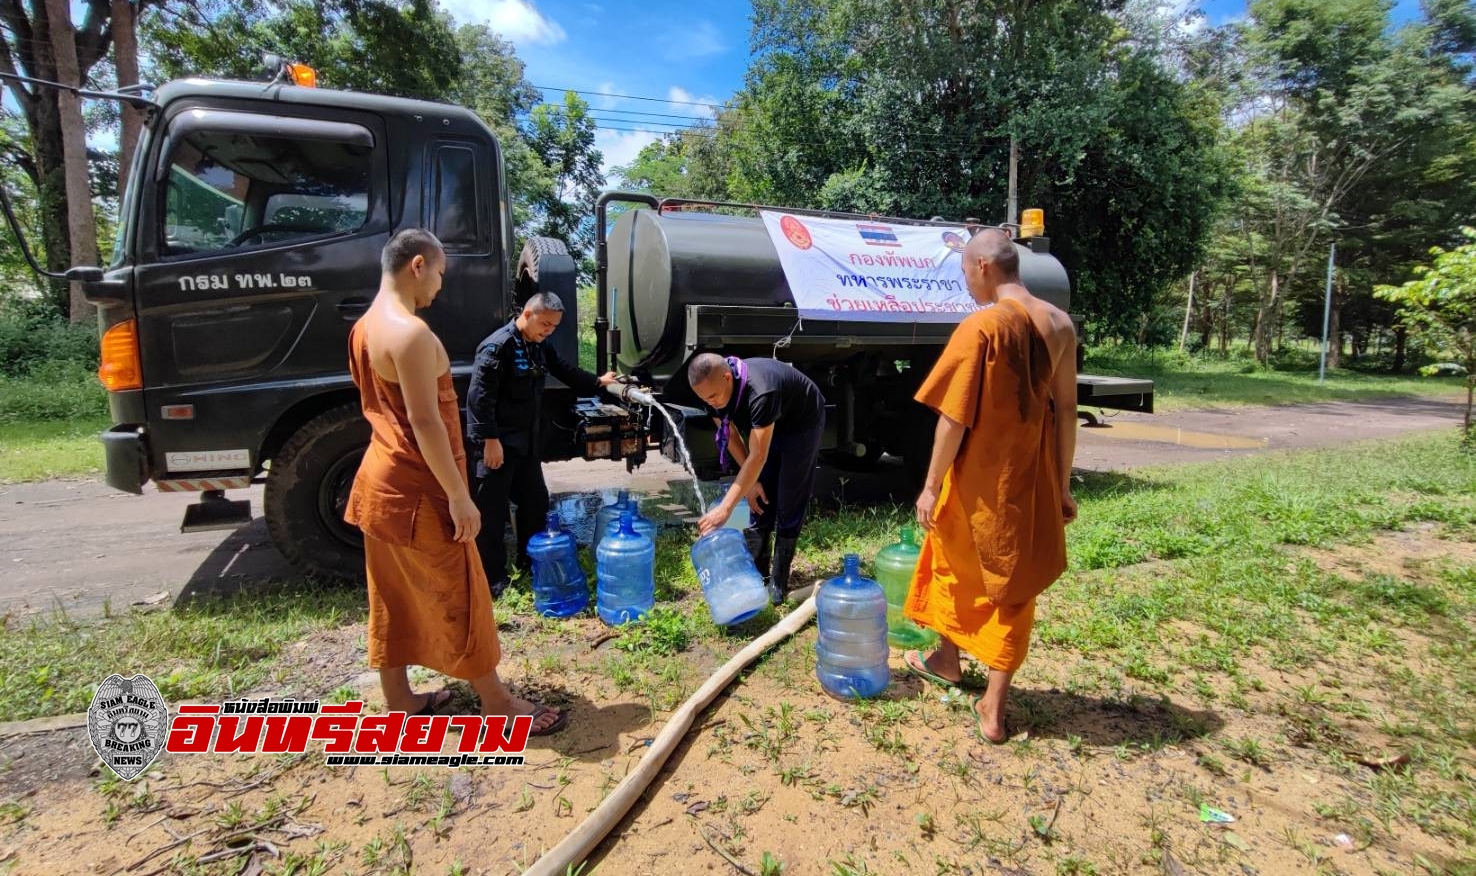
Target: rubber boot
[(779, 576), (758, 542)]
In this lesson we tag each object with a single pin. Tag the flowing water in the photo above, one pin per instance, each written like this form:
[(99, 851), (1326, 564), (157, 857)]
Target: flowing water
[(686, 457)]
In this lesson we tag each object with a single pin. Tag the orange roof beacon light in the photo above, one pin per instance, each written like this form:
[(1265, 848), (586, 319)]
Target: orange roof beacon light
[(119, 369), (1032, 223), (303, 75)]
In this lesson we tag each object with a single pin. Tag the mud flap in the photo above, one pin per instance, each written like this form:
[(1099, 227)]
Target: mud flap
[(215, 511)]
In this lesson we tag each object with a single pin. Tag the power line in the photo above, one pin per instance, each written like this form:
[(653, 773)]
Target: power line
[(632, 97)]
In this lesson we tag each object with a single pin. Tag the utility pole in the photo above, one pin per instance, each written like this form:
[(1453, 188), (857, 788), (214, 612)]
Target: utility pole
[(1332, 252), (1012, 208)]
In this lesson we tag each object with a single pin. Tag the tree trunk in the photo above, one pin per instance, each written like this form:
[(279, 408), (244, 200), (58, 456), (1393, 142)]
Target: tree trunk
[(1400, 337), (82, 225), (125, 60), (1265, 318)]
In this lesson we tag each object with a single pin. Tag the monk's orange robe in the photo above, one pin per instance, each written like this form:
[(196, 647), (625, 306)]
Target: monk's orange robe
[(999, 535), (429, 603)]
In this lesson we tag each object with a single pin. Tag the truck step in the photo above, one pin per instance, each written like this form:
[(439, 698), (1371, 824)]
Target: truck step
[(215, 511)]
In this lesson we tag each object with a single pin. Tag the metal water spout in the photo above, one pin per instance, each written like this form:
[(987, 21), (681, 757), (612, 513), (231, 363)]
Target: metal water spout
[(633, 394)]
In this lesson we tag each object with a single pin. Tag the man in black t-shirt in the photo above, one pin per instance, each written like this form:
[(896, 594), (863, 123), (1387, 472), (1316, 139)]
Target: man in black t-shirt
[(783, 413)]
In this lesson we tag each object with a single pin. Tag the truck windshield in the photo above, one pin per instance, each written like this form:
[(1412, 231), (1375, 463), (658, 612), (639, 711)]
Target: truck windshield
[(227, 190)]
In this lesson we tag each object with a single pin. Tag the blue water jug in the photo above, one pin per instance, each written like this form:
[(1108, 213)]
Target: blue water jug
[(641, 523), (559, 586), (608, 516), (625, 573), (740, 517), (731, 584), (851, 655)]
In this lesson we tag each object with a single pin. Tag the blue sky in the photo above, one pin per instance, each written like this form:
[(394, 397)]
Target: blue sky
[(677, 55)]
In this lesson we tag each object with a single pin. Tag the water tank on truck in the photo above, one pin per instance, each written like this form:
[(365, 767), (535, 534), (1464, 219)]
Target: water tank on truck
[(679, 278)]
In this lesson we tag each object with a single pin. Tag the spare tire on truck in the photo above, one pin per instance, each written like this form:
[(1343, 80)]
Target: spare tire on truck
[(546, 266), (307, 491)]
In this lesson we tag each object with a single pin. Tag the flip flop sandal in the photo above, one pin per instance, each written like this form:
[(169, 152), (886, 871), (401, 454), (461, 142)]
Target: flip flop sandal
[(435, 702), (556, 726), (979, 734), (920, 669)]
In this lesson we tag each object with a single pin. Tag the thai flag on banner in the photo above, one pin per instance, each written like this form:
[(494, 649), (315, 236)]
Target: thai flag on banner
[(878, 235)]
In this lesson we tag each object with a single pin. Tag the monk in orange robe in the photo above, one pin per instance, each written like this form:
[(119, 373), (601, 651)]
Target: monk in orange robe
[(998, 492), (429, 603)]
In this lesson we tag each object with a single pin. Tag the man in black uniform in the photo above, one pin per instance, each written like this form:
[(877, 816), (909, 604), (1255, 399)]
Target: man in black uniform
[(783, 413), (504, 410)]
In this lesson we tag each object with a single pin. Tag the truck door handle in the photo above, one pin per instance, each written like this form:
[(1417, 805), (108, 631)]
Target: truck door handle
[(353, 308)]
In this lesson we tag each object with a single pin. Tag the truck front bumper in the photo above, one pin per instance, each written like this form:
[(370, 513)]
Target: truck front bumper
[(126, 458)]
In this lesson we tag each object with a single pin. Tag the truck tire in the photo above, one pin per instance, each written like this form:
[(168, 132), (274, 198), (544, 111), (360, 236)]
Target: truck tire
[(917, 450), (307, 490), (546, 266)]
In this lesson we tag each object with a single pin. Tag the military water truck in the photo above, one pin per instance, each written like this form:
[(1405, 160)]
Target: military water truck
[(248, 244), (679, 277)]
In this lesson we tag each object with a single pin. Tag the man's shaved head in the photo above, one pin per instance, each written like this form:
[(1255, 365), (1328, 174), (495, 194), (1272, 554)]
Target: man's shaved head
[(704, 366), (994, 246)]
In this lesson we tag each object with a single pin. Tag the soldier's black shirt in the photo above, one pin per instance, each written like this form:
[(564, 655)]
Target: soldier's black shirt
[(505, 399)]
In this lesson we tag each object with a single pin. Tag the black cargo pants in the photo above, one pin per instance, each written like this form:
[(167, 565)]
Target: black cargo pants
[(520, 481)]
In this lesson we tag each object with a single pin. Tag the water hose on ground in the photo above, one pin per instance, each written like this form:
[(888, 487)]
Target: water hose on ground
[(576, 847)]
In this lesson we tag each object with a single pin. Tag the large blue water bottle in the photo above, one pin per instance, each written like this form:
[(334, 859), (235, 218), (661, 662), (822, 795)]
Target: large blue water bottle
[(625, 573), (731, 584), (851, 655), (608, 516), (559, 586), (638, 521)]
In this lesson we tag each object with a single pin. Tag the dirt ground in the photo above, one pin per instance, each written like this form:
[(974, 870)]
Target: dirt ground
[(1089, 783)]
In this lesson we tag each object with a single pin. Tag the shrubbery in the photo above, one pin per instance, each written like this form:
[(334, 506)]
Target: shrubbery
[(48, 367)]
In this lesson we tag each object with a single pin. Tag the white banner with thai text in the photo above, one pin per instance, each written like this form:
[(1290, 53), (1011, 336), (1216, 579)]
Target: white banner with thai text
[(865, 270)]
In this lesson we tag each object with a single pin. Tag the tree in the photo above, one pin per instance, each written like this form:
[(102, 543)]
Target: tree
[(40, 43), (908, 107), (1439, 308), (563, 139), (407, 49)]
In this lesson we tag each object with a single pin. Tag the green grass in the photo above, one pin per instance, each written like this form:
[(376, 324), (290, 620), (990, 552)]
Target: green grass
[(209, 650), (41, 451), (49, 421), (1185, 382)]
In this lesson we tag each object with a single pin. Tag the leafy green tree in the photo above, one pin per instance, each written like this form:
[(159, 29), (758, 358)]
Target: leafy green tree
[(1439, 308), (563, 139)]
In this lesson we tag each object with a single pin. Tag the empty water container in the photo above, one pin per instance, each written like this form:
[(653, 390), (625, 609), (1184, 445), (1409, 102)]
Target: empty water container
[(894, 567), (625, 568), (851, 655), (608, 516), (731, 584), (559, 586)]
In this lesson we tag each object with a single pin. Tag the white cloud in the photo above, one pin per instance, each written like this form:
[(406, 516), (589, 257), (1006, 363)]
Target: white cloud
[(517, 20), (619, 148), (608, 95), (682, 102), (698, 41)]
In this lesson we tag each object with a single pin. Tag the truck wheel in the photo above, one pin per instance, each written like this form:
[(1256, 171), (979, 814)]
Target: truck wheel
[(917, 450), (307, 491), (546, 266)]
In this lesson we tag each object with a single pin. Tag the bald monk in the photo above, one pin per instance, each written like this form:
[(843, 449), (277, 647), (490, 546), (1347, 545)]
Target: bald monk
[(428, 598), (998, 492)]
